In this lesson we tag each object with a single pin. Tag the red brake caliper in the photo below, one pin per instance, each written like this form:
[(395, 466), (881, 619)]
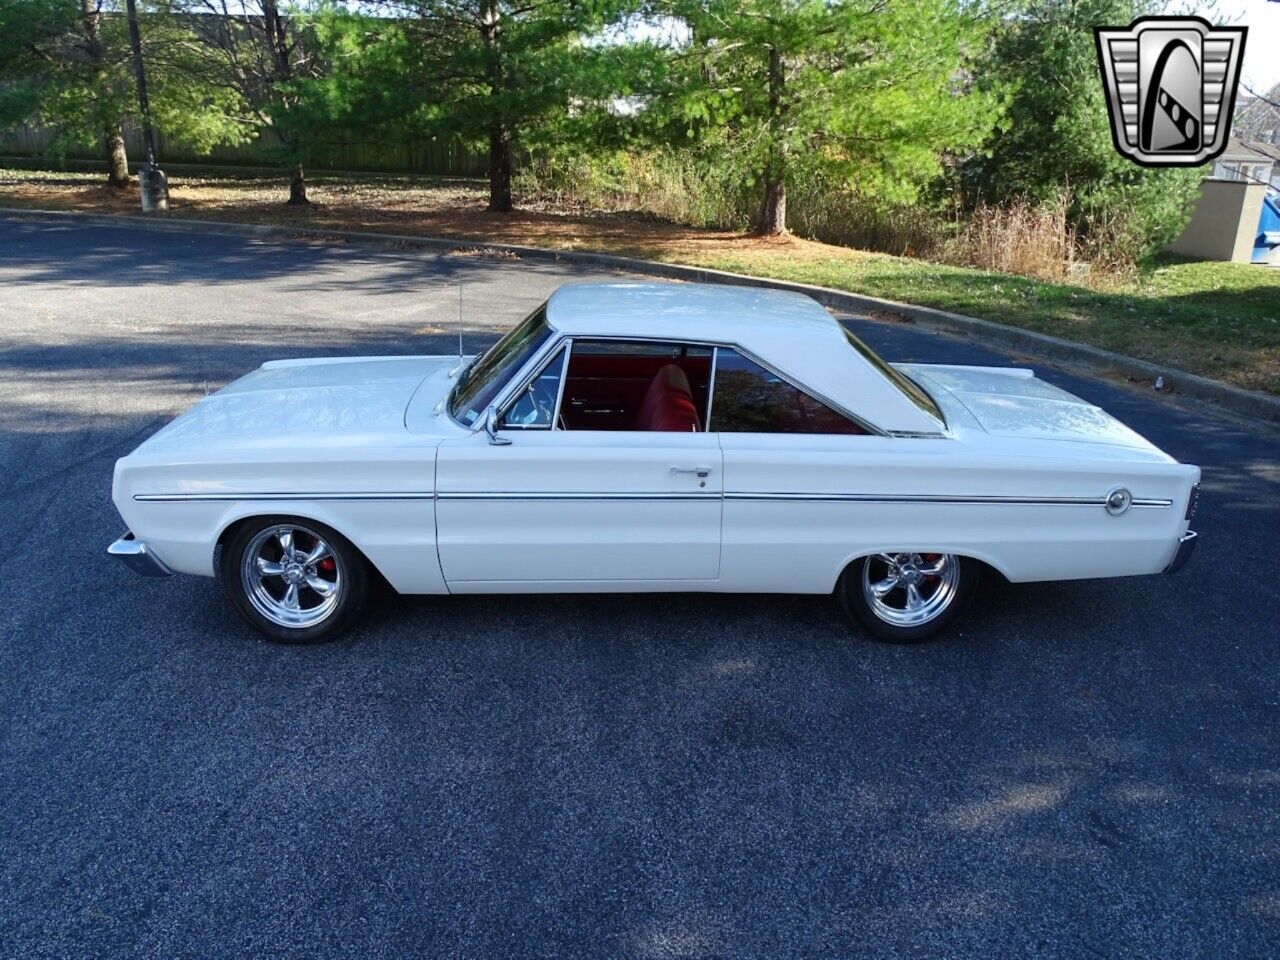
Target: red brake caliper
[(928, 560)]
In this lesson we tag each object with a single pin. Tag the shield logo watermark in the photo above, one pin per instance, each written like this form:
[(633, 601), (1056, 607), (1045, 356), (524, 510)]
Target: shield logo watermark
[(1171, 87)]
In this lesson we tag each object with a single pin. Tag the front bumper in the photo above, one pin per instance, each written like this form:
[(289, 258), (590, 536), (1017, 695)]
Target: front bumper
[(1185, 546), (137, 556)]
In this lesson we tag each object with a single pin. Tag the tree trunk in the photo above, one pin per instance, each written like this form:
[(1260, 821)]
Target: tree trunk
[(773, 211), (773, 208), (298, 187), (117, 159), (499, 131), (112, 142), (275, 33), (499, 169)]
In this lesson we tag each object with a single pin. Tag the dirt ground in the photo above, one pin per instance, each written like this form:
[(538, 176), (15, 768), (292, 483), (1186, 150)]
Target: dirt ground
[(448, 208)]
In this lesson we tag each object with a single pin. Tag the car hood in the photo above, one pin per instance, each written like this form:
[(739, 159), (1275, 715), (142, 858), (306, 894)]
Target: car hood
[(1012, 402), (291, 403)]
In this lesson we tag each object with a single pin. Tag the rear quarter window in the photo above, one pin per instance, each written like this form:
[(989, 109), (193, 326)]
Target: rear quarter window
[(747, 398)]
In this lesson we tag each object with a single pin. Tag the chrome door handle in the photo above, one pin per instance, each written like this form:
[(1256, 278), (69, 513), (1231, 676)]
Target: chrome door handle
[(702, 472)]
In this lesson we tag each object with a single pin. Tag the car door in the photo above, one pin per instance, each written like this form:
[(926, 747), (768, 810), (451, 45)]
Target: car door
[(584, 506), (554, 508)]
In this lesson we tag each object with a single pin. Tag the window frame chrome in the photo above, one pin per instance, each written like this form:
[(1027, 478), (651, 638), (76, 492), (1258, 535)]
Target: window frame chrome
[(542, 364), (867, 425), (499, 397), (711, 387), (533, 367)]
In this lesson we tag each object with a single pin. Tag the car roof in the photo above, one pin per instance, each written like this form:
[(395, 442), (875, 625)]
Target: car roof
[(786, 330), (705, 311)]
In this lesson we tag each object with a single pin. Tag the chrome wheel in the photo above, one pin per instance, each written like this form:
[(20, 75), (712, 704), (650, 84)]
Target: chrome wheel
[(291, 576), (910, 589)]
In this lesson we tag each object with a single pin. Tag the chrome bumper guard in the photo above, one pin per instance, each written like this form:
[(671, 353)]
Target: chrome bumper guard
[(137, 556), (1185, 546)]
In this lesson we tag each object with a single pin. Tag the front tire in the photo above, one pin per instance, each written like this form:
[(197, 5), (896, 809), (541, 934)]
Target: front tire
[(907, 597), (294, 581)]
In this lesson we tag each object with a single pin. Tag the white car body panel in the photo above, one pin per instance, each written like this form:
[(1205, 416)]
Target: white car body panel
[(551, 508), (1035, 519), (1017, 477), (322, 439)]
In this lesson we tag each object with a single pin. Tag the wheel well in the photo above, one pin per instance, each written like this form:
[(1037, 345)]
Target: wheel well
[(231, 528), (987, 569)]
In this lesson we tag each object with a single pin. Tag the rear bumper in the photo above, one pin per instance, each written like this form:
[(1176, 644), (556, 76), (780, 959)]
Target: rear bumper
[(1185, 547), (137, 556)]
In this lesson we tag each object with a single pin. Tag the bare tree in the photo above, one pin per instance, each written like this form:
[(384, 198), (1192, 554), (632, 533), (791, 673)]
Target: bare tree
[(1259, 117)]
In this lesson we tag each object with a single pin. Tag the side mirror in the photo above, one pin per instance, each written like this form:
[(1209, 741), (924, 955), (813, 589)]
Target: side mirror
[(491, 428)]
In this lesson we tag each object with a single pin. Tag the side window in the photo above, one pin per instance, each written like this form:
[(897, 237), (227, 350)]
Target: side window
[(747, 398), (535, 407), (640, 385)]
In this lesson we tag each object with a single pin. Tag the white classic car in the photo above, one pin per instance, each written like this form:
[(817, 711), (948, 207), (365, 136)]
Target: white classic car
[(647, 437)]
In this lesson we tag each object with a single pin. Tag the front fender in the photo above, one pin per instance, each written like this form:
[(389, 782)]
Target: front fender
[(396, 536)]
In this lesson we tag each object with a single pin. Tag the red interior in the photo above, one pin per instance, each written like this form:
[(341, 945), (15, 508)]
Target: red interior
[(668, 403), (636, 391)]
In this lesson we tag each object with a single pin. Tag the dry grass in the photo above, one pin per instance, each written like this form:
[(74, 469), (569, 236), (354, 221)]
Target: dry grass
[(1220, 320), (1019, 238)]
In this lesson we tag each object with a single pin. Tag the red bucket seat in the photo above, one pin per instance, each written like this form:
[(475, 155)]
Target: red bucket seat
[(668, 403)]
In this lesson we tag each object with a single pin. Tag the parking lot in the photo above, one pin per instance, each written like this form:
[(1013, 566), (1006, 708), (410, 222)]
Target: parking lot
[(1080, 769)]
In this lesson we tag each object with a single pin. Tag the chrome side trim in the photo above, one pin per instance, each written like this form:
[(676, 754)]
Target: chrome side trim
[(583, 496), (137, 556), (256, 495), (638, 495), (935, 498)]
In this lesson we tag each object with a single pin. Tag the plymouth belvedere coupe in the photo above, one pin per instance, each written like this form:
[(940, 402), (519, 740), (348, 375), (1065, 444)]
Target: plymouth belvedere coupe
[(647, 437)]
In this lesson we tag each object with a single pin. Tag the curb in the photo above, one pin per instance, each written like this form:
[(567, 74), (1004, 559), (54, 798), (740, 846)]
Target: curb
[(1250, 403)]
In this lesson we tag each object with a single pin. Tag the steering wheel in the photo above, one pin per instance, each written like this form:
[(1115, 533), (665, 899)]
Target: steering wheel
[(543, 394)]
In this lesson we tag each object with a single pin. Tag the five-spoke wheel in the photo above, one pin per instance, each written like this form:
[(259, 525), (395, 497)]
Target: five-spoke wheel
[(906, 596), (290, 576), (293, 580)]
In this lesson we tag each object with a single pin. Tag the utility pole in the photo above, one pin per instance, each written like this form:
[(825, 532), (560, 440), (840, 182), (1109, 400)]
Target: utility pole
[(151, 180)]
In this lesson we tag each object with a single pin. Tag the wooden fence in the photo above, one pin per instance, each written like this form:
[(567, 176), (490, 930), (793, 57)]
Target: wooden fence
[(442, 157)]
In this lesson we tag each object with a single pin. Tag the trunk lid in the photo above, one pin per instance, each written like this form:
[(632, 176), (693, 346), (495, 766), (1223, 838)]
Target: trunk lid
[(1012, 402)]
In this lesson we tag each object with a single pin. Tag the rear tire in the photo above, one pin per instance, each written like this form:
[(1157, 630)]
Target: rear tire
[(907, 597), (294, 580)]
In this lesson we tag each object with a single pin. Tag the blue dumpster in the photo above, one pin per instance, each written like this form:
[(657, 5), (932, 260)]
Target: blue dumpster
[(1268, 230)]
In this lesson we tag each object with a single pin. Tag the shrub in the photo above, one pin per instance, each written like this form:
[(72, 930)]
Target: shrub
[(673, 186), (1102, 237)]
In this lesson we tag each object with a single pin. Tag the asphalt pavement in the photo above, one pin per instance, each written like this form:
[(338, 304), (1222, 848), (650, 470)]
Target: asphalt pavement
[(1085, 769)]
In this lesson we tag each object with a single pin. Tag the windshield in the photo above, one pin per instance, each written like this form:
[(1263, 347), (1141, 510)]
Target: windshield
[(903, 383), (481, 382)]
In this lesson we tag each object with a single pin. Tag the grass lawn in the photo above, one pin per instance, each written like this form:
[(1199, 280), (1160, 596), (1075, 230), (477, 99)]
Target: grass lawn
[(1220, 320)]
